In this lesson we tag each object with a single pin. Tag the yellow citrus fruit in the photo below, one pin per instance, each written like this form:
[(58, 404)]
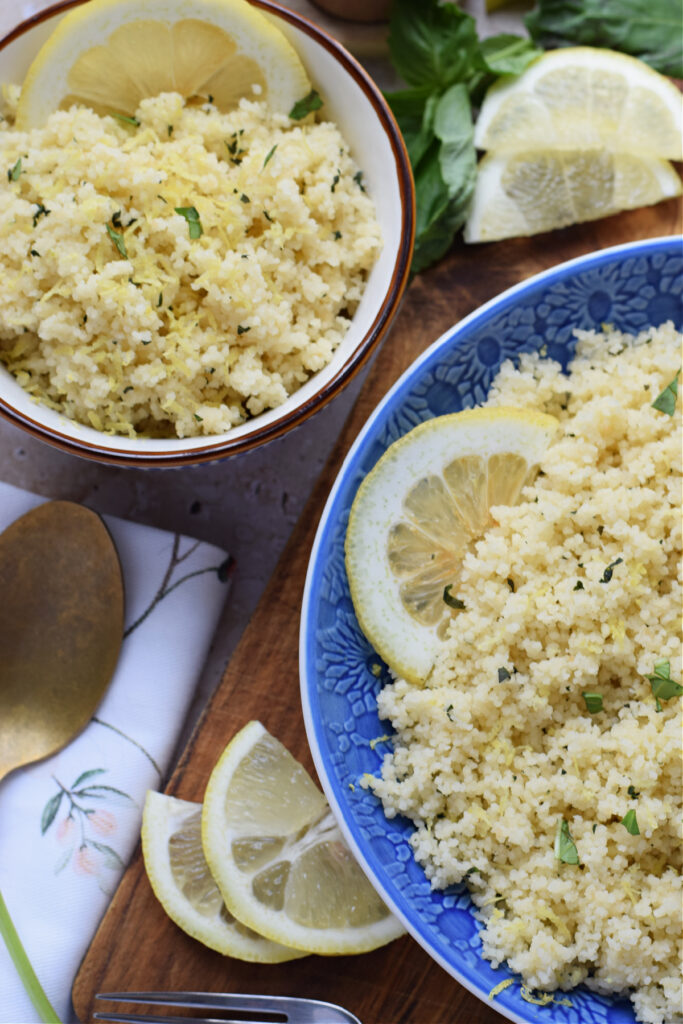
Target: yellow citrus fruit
[(278, 856), (419, 511), (583, 97), (181, 880), (111, 54), (540, 190)]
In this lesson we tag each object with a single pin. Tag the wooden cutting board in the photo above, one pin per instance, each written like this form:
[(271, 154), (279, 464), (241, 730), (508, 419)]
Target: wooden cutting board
[(137, 946)]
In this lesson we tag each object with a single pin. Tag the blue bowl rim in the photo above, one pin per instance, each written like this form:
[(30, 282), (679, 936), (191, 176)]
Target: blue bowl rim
[(307, 670)]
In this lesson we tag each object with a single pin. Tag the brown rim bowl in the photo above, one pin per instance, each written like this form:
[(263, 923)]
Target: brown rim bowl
[(355, 103)]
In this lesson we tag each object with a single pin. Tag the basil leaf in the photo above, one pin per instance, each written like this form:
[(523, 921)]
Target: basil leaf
[(452, 602), (503, 674), (630, 823), (269, 155), (431, 44), (565, 847), (191, 215), (444, 180), (607, 574), (414, 112), (649, 29), (306, 106), (593, 701), (118, 240), (666, 401), (14, 173), (665, 689)]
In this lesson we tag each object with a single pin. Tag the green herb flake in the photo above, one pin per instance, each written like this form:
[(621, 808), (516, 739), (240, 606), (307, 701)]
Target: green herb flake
[(41, 211), (358, 178), (169, 129), (267, 216), (160, 299), (145, 341), (337, 235), (191, 215), (303, 107), (118, 240), (452, 602), (633, 792), (242, 330), (129, 388), (269, 156), (511, 584), (116, 219), (14, 173), (578, 585), (565, 847), (607, 574), (448, 713), (244, 198), (503, 674), (198, 418), (666, 401), (593, 701), (335, 181), (630, 822), (662, 685), (34, 252), (127, 120)]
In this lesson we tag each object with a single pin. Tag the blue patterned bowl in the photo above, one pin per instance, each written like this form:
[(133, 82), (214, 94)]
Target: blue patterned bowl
[(631, 286)]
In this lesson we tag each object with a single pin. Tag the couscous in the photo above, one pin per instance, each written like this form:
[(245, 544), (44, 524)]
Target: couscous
[(540, 761), (175, 273)]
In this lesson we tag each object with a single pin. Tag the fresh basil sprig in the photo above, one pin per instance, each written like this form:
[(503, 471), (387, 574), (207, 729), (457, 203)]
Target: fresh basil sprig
[(648, 29), (436, 50)]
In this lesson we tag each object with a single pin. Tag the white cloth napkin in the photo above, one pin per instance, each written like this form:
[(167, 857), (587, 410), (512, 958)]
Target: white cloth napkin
[(68, 825)]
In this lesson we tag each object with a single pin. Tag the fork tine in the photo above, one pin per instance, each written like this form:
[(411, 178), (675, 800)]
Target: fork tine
[(148, 1018), (291, 1009)]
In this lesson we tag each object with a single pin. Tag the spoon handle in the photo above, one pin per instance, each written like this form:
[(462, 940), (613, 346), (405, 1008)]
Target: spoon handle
[(25, 971)]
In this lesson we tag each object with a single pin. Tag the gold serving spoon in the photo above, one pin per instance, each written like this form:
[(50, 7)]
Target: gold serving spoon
[(61, 629)]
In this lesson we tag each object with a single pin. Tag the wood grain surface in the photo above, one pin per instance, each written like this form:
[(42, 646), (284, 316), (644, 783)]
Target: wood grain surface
[(137, 946)]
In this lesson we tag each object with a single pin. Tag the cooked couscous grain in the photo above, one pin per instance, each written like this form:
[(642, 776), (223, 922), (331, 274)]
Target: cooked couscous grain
[(177, 275), (538, 761)]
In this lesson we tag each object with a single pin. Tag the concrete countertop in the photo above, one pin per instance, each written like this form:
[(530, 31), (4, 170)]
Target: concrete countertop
[(247, 504)]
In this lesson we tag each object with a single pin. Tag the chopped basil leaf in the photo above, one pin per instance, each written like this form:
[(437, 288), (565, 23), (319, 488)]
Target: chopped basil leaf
[(511, 584), (242, 330), (335, 181), (578, 585), (633, 792), (14, 173), (198, 418), (666, 401), (663, 686), (452, 602), (630, 823), (448, 712), (160, 299), (565, 847), (127, 120), (191, 215), (601, 530), (337, 235), (503, 674), (169, 129), (244, 198), (267, 216), (118, 240), (129, 388), (34, 252), (306, 106), (358, 178), (607, 574), (269, 155), (41, 211), (116, 219), (593, 701)]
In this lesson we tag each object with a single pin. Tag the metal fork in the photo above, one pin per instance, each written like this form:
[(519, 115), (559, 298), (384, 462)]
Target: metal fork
[(253, 1009)]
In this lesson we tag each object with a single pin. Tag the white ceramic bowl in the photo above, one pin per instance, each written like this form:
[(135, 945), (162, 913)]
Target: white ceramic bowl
[(355, 103)]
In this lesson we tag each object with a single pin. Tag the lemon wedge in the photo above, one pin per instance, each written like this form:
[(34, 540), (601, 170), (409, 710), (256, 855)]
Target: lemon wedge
[(180, 877), (540, 190), (419, 511), (111, 54), (278, 856), (583, 97)]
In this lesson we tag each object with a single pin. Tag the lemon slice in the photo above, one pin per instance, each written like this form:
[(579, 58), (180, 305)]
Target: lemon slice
[(278, 856), (111, 54), (418, 512), (180, 878), (583, 97), (526, 193)]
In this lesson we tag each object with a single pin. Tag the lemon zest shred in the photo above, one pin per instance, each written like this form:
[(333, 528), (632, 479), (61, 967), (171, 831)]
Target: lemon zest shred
[(497, 989)]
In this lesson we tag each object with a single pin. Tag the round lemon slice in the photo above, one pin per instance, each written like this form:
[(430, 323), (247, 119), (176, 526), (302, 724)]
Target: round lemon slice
[(418, 512), (278, 856), (111, 54), (181, 880), (541, 190), (583, 97)]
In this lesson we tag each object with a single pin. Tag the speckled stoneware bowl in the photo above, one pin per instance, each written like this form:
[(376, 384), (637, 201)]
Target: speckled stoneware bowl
[(355, 103), (631, 286)]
